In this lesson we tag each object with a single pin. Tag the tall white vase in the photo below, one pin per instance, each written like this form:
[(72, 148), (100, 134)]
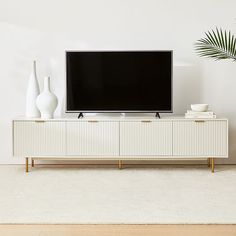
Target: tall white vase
[(32, 94), (47, 101)]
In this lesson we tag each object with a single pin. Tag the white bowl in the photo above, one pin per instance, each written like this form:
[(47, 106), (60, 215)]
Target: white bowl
[(199, 107)]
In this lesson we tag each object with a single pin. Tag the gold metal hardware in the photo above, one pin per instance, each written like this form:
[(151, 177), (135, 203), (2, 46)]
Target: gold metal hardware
[(26, 164), (93, 121), (212, 165), (120, 164), (208, 162), (146, 121), (199, 121)]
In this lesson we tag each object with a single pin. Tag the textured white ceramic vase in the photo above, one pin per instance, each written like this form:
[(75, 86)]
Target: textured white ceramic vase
[(47, 101), (32, 94)]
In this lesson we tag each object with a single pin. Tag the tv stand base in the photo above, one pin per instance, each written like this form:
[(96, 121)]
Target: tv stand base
[(120, 139)]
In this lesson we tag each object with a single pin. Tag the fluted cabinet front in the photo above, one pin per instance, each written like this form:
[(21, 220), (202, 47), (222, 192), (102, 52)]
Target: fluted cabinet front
[(145, 138), (200, 138), (34, 139), (87, 138), (124, 138)]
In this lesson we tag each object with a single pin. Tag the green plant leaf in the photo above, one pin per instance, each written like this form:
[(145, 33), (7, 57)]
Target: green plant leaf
[(217, 44)]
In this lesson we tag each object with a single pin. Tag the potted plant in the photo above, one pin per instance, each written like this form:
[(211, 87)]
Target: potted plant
[(217, 44)]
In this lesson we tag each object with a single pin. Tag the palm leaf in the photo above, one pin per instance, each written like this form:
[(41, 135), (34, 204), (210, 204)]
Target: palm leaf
[(217, 44)]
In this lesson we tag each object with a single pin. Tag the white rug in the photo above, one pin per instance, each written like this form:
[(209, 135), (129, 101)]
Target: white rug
[(135, 195)]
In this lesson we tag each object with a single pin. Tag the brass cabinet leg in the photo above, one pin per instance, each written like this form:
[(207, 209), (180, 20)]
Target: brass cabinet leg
[(26, 164), (32, 162), (120, 164), (212, 165), (208, 162)]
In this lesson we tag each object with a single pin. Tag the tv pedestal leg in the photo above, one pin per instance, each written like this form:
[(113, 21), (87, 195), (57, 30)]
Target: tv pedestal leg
[(80, 115), (158, 115)]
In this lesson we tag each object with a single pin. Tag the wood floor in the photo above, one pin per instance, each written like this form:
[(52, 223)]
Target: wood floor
[(118, 230)]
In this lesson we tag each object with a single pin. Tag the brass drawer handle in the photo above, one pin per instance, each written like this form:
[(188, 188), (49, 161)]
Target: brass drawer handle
[(93, 121), (199, 121), (39, 121), (146, 121)]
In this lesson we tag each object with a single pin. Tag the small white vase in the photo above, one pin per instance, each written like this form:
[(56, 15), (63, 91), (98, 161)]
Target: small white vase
[(47, 101), (32, 94)]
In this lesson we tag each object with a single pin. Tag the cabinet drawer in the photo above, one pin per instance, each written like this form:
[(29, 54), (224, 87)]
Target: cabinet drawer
[(200, 138), (91, 138), (38, 138), (146, 138)]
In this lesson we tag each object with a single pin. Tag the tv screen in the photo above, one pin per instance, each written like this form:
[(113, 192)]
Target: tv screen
[(119, 81)]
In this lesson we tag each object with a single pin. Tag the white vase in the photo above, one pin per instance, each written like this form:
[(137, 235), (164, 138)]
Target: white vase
[(47, 101), (32, 94)]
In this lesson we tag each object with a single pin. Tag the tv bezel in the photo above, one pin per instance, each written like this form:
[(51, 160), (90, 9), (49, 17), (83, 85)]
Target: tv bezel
[(118, 111)]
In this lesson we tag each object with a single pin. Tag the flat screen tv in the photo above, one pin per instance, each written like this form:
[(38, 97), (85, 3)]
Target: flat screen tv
[(119, 81)]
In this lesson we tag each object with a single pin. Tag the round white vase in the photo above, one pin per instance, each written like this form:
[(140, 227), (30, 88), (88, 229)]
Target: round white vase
[(47, 101), (32, 94)]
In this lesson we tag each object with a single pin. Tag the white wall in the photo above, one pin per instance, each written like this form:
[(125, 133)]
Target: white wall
[(44, 29)]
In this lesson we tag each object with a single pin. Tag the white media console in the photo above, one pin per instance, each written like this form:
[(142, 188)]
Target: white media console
[(95, 138)]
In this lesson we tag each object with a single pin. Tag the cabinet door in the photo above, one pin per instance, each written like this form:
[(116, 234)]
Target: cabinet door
[(200, 138), (146, 138), (39, 138), (93, 138)]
